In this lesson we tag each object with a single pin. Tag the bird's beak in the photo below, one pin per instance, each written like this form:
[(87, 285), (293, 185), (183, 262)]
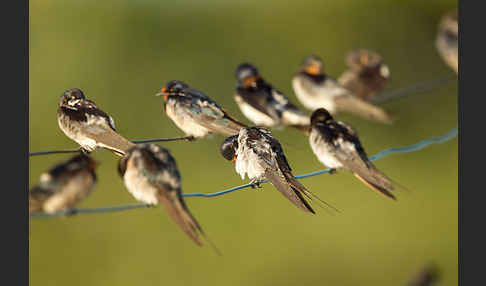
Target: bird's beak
[(163, 92)]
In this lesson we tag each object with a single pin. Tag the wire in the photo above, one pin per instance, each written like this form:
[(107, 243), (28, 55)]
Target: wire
[(415, 147), (188, 138), (414, 89)]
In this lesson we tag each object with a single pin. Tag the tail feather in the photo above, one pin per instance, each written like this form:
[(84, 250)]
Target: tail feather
[(292, 193), (384, 190), (182, 217), (363, 109), (114, 142)]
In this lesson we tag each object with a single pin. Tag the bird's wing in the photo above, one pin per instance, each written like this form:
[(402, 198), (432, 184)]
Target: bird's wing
[(349, 155), (260, 99), (353, 104), (280, 177)]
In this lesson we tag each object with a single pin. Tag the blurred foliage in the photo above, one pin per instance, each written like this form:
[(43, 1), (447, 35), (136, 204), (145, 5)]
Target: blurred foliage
[(120, 53)]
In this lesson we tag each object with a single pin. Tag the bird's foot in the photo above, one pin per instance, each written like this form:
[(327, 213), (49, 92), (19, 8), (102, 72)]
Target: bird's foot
[(332, 171), (71, 212), (190, 138), (84, 151), (150, 206), (256, 184)]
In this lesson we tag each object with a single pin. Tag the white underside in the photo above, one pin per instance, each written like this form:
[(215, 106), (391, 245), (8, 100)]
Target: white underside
[(72, 193), (186, 123), (319, 97), (254, 115), (140, 188), (323, 151), (247, 163)]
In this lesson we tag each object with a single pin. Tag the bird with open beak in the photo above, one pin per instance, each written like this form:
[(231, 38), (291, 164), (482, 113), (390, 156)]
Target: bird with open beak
[(89, 126), (264, 105), (195, 113), (260, 156), (315, 89), (367, 74), (64, 186), (151, 175), (337, 146)]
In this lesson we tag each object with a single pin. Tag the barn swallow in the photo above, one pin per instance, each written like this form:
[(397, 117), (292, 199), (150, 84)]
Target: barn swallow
[(263, 104), (447, 39), (315, 89), (63, 186), (258, 154), (367, 74), (150, 174), (195, 113), (82, 121), (337, 146)]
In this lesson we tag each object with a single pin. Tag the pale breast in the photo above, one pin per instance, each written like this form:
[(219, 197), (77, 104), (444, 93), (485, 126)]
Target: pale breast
[(254, 115), (247, 162), (323, 151), (185, 122), (73, 192), (314, 97), (73, 130), (139, 186)]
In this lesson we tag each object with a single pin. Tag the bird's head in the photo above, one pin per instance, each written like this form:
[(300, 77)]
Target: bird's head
[(320, 115), (228, 148), (173, 87), (246, 74), (71, 97), (311, 65)]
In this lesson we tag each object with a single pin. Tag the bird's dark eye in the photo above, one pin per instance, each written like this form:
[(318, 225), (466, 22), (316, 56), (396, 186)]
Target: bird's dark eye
[(228, 147)]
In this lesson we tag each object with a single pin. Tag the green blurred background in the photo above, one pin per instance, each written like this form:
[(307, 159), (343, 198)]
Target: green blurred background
[(120, 53)]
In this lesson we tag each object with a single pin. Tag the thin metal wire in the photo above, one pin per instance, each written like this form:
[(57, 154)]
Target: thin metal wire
[(415, 147), (187, 138), (413, 89)]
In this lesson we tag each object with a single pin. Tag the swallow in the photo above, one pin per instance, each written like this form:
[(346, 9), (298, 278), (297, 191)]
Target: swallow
[(447, 39), (63, 186), (315, 89), (151, 175), (264, 105), (195, 113), (89, 126), (367, 74), (337, 146), (258, 154)]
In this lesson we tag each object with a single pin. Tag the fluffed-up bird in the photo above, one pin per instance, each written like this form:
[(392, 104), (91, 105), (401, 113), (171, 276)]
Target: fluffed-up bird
[(315, 89), (63, 186), (337, 146), (367, 74), (195, 113), (264, 105), (259, 155), (89, 126), (151, 175), (447, 40)]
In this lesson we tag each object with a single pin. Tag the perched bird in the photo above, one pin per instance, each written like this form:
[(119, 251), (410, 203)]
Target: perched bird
[(315, 89), (259, 155), (447, 39), (63, 186), (195, 113), (150, 174), (263, 104), (337, 146), (82, 121), (367, 74)]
